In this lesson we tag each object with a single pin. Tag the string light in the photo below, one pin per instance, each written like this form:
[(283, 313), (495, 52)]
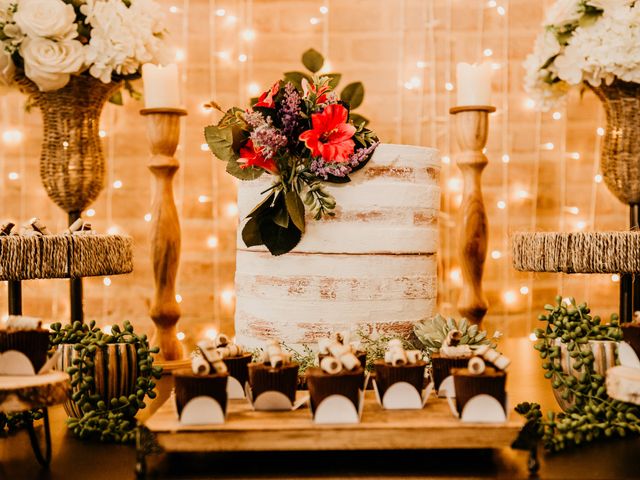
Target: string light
[(107, 329), (242, 58), (254, 89), (509, 297), (106, 281), (446, 160), (173, 9), (90, 213), (581, 225), (13, 175), (487, 52), (231, 209), (556, 116), (421, 64), (496, 254), (492, 3), (221, 12), (113, 230), (178, 298), (574, 155), (102, 133), (573, 210), (496, 66), (501, 204), (454, 184), (211, 333), (180, 55), (600, 131), (448, 86), (204, 147), (117, 184), (203, 198), (456, 276), (180, 336), (501, 10), (227, 296), (615, 277), (548, 146), (598, 178), (224, 55), (65, 144), (231, 19), (314, 20), (248, 34), (524, 290), (413, 83), (522, 194), (212, 241), (324, 9), (529, 103), (506, 158), (12, 137), (533, 337)]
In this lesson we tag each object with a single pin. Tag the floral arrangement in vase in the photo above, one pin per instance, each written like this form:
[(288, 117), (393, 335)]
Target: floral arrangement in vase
[(48, 41), (302, 133), (584, 41)]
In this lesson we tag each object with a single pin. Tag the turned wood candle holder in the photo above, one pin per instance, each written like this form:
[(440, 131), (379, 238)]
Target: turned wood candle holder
[(163, 130), (472, 127)]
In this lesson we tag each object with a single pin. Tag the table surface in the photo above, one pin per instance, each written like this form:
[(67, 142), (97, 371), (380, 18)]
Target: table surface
[(77, 459)]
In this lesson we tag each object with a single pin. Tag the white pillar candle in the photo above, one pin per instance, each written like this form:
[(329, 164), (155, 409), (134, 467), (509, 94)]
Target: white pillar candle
[(474, 84), (161, 86)]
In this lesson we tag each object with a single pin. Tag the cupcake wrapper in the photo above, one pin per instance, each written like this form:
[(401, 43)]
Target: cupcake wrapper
[(441, 368), (263, 378), (188, 386), (322, 385), (387, 375), (33, 343), (238, 367), (468, 386)]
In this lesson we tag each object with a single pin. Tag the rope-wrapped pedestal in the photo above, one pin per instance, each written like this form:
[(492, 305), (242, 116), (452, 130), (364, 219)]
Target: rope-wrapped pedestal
[(579, 252), (64, 256)]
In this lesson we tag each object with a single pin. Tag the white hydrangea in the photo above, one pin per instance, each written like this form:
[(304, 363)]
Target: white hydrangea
[(122, 38), (600, 50)]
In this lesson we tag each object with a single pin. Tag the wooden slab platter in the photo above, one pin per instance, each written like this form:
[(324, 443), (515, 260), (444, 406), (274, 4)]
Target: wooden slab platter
[(19, 393)]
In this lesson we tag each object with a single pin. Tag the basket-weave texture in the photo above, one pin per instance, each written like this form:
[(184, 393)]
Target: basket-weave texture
[(620, 156), (580, 252), (72, 165), (64, 256)]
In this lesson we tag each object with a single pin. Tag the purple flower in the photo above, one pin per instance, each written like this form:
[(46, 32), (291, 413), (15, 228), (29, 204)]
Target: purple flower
[(289, 112), (323, 169), (268, 138)]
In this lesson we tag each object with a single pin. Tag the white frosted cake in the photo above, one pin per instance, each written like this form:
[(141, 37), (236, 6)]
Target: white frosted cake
[(372, 266)]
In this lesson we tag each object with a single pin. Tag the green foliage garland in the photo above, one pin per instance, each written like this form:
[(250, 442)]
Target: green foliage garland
[(593, 414), (111, 421)]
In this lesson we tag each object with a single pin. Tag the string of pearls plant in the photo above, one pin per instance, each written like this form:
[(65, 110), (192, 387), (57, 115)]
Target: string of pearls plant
[(593, 414), (112, 420)]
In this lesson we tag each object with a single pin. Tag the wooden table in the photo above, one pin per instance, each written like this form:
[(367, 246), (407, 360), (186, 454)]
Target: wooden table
[(245, 430), (22, 393)]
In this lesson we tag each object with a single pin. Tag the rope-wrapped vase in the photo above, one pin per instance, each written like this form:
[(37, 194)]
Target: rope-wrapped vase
[(620, 159), (72, 165)]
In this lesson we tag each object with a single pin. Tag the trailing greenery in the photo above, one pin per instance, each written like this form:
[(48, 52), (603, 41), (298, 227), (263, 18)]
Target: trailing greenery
[(432, 332), (112, 420), (592, 414), (375, 345), (12, 422), (305, 358)]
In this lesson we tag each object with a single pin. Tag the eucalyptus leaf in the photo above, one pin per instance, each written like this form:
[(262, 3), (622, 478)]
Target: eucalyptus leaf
[(296, 78), (251, 233), (353, 94), (334, 79), (249, 173), (312, 60), (358, 119), (295, 207), (220, 141)]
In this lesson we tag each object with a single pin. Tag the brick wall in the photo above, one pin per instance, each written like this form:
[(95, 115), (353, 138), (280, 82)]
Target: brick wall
[(405, 51)]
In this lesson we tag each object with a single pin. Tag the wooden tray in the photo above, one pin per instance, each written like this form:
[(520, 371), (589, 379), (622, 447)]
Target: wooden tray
[(433, 427)]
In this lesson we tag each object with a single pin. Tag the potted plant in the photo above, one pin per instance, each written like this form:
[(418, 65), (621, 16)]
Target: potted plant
[(111, 375)]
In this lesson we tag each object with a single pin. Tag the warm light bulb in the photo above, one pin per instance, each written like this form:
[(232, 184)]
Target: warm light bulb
[(203, 198), (113, 230), (221, 12), (456, 276), (212, 241), (548, 146), (106, 281), (506, 158), (102, 133), (509, 297), (204, 147), (13, 175), (492, 3), (501, 10), (147, 217), (487, 52), (533, 337), (12, 136), (314, 20), (65, 144), (615, 277), (232, 209), (173, 9), (248, 34), (581, 225), (211, 333), (324, 9), (254, 89), (454, 184), (180, 55), (496, 254), (529, 103), (178, 298), (227, 296), (448, 86), (573, 210), (180, 336), (556, 115), (117, 184), (446, 160), (224, 55), (501, 204), (496, 66), (242, 58), (574, 155), (598, 178), (600, 131), (90, 213), (231, 19), (524, 290), (421, 64), (522, 194)]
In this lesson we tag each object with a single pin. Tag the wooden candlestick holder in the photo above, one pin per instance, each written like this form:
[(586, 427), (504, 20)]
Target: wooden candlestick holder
[(163, 130), (472, 127)]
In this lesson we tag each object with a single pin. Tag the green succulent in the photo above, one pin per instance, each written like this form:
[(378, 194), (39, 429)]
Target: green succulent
[(432, 332)]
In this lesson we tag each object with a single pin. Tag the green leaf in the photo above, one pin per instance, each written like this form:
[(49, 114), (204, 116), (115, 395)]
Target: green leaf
[(281, 217), (220, 141), (312, 60), (263, 205), (249, 173), (295, 207), (251, 233), (296, 78), (358, 119), (334, 79), (353, 94), (277, 239), (116, 98)]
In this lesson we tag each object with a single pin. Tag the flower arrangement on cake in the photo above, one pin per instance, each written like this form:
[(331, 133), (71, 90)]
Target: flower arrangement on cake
[(49, 41), (584, 41), (302, 133)]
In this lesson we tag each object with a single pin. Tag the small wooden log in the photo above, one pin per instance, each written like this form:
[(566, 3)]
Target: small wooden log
[(20, 393), (163, 129), (472, 127)]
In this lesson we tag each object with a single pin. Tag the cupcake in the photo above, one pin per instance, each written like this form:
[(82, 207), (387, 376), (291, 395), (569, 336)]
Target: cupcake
[(399, 365), (474, 380), (276, 372), (451, 355), (343, 338), (201, 380), (26, 335), (340, 373), (234, 356)]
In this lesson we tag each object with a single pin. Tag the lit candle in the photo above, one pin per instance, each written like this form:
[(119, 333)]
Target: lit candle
[(474, 84), (161, 87)]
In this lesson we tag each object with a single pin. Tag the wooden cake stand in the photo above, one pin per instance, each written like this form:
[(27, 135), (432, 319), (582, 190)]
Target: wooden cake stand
[(433, 427), (21, 393)]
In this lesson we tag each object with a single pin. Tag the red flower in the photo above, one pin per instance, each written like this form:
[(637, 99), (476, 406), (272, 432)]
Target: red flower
[(311, 88), (330, 137), (267, 98), (253, 158)]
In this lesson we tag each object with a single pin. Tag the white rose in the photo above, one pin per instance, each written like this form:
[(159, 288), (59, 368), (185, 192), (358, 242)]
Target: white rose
[(563, 12), (46, 18), (49, 64), (7, 70)]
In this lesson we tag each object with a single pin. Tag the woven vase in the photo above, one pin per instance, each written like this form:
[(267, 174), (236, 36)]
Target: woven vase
[(620, 159), (72, 165)]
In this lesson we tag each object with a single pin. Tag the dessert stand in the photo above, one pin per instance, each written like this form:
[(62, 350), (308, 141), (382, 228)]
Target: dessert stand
[(246, 430)]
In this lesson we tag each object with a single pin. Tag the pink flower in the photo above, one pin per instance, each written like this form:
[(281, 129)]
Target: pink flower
[(330, 137), (253, 158), (267, 98)]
